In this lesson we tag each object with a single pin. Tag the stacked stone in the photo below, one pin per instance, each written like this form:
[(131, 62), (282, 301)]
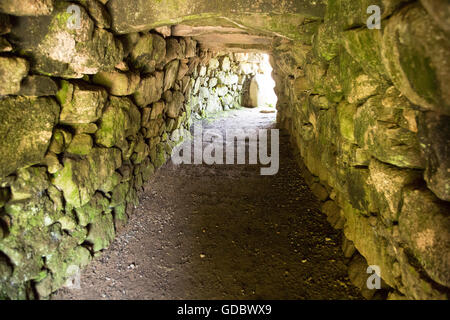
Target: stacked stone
[(217, 83), (369, 111), (85, 118), (87, 115)]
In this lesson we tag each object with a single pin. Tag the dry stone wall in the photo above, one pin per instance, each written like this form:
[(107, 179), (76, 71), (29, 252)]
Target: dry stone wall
[(86, 117), (368, 112), (222, 83), (87, 113)]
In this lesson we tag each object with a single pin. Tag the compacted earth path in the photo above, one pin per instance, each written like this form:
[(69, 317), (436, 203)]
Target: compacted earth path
[(223, 232)]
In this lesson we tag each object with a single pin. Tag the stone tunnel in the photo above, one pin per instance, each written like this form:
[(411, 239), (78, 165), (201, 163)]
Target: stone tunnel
[(96, 94)]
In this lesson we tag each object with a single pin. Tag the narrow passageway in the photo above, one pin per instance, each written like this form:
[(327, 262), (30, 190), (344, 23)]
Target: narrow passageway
[(223, 232), (96, 95)]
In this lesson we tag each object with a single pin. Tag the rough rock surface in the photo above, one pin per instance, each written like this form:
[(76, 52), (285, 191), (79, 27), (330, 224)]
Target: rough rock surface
[(118, 83), (88, 115), (366, 110), (27, 126), (145, 14), (60, 49), (80, 102), (27, 7), (12, 71), (415, 61), (80, 178), (38, 86)]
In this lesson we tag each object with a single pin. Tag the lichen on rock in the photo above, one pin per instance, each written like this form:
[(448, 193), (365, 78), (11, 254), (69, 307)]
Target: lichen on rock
[(118, 83), (120, 119), (26, 127), (81, 103), (79, 179), (12, 71), (27, 7), (59, 49), (414, 52)]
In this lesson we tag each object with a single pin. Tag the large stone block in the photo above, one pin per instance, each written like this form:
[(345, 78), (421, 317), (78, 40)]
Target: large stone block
[(59, 48), (357, 188), (416, 284), (171, 72), (80, 102), (346, 117), (434, 137), (440, 11), (357, 85), (79, 179), (118, 83), (415, 54), (94, 208), (27, 7), (182, 71), (63, 266), (364, 45), (101, 232), (143, 15), (29, 183), (81, 145), (98, 12), (326, 43), (119, 194), (120, 120), (332, 85), (159, 49), (173, 50), (12, 71), (174, 107), (377, 130), (388, 183), (191, 47), (149, 90), (38, 86), (157, 110), (26, 126), (32, 236), (357, 273), (424, 226), (141, 55), (373, 246)]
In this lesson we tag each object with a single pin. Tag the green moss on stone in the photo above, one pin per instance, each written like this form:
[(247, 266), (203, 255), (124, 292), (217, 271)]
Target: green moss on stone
[(101, 232), (26, 126), (81, 145)]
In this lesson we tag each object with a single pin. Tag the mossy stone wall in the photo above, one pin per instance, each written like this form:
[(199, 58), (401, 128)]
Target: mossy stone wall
[(86, 117), (88, 114), (368, 112)]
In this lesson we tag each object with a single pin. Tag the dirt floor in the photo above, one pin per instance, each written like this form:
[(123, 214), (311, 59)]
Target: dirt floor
[(223, 232)]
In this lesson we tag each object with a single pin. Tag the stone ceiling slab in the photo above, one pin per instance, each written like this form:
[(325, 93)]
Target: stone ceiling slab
[(138, 15)]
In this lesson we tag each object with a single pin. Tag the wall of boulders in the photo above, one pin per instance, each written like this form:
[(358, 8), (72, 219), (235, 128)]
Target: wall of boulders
[(89, 111), (86, 117), (368, 110), (221, 81)]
